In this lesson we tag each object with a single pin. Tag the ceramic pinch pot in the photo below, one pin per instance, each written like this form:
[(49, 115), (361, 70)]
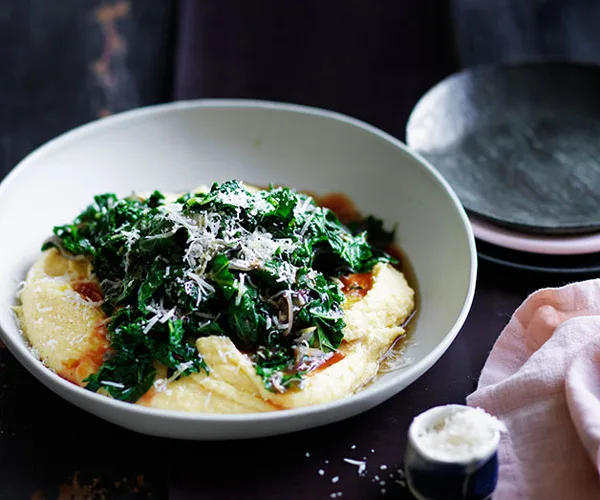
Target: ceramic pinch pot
[(431, 477)]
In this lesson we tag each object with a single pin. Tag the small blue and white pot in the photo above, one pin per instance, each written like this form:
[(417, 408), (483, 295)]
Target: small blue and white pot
[(431, 478)]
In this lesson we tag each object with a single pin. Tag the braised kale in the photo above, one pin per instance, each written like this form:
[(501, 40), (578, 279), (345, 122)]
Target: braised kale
[(259, 267)]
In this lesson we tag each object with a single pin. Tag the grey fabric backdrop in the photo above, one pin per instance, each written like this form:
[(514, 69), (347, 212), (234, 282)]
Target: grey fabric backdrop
[(490, 31), (370, 59)]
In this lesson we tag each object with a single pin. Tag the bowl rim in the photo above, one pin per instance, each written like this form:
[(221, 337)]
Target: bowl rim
[(411, 372)]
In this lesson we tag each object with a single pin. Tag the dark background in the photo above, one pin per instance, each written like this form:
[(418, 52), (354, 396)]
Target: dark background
[(69, 62)]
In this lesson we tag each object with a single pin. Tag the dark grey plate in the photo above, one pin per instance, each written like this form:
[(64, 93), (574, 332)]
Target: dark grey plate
[(519, 144), (587, 265)]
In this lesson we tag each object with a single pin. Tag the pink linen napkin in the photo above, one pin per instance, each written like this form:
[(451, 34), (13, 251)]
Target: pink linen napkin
[(542, 379)]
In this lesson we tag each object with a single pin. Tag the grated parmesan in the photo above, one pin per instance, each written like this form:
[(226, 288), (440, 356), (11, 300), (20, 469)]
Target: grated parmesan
[(112, 384), (160, 385), (362, 466), (251, 250), (460, 435), (151, 323)]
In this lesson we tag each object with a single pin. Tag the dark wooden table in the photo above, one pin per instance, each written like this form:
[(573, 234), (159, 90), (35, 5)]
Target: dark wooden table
[(52, 450)]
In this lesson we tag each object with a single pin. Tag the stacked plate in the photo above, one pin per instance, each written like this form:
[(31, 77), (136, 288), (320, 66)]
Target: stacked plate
[(557, 254), (520, 145)]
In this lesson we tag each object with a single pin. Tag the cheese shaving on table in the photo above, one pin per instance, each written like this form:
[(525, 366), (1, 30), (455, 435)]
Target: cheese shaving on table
[(361, 465)]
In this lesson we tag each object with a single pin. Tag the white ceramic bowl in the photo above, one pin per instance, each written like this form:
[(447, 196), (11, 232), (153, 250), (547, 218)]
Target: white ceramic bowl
[(181, 145)]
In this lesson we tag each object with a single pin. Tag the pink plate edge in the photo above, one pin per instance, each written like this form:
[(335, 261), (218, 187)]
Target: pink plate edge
[(548, 245)]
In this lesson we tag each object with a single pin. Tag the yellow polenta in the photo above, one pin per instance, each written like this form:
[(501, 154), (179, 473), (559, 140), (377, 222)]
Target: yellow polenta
[(66, 327)]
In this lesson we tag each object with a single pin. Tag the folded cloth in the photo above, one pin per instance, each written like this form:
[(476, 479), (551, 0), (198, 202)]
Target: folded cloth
[(542, 379)]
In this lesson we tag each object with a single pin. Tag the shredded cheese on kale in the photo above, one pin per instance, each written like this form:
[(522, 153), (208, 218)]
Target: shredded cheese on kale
[(260, 268)]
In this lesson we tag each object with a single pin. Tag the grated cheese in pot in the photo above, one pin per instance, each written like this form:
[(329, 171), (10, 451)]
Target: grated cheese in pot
[(460, 435)]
